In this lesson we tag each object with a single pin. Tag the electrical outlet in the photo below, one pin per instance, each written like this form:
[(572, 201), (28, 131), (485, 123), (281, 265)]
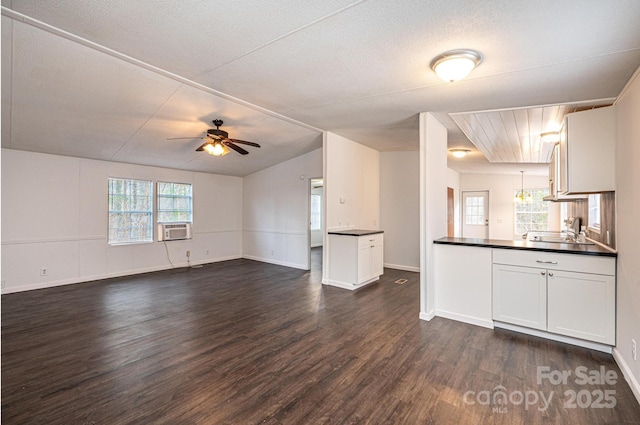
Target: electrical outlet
[(43, 271), (188, 253), (207, 252), (634, 350)]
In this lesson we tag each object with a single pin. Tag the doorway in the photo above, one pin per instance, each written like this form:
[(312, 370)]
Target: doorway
[(450, 213), (316, 222), (475, 214)]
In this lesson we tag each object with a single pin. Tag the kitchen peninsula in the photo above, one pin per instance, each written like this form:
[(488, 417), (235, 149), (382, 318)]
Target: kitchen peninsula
[(560, 291)]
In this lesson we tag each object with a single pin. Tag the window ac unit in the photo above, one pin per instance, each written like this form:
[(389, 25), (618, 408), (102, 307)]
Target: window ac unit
[(174, 231)]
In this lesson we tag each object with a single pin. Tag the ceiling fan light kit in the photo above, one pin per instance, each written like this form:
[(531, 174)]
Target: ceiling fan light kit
[(455, 65), (216, 149)]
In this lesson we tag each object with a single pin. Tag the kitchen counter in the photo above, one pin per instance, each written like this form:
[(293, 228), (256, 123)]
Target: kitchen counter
[(567, 248), (355, 232)]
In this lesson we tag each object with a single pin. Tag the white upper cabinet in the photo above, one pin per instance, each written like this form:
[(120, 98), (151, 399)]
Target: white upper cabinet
[(587, 152)]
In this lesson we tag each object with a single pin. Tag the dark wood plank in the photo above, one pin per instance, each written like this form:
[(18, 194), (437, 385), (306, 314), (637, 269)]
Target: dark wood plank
[(242, 342)]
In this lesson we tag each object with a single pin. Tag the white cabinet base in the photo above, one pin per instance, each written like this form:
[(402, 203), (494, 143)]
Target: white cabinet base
[(555, 337), (351, 286), (355, 261)]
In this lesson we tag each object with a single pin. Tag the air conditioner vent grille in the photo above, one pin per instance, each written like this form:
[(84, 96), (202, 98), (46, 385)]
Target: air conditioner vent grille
[(174, 231)]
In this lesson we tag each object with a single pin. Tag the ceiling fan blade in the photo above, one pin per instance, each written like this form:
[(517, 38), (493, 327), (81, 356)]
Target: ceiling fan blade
[(244, 142), (184, 138), (238, 149)]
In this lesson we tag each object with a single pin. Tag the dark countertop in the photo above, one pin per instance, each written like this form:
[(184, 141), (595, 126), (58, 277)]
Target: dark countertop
[(565, 248), (355, 232)]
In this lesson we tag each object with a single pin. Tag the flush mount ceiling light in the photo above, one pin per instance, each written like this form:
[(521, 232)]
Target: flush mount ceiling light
[(454, 65), (459, 153), (550, 137)]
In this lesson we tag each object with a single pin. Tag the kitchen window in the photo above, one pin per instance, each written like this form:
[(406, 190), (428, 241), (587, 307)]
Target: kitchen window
[(594, 213), (130, 211), (532, 215)]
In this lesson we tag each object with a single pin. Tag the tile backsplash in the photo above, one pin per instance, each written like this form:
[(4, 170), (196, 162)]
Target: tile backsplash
[(580, 209)]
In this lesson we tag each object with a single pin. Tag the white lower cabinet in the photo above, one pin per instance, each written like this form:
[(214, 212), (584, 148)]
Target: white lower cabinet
[(565, 294), (355, 260), (520, 296), (582, 305)]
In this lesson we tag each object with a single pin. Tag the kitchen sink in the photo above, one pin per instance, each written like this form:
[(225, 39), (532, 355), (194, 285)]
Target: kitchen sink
[(557, 238)]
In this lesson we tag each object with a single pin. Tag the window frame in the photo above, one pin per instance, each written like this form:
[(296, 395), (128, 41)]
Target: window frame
[(596, 199), (150, 213), (158, 197), (539, 191)]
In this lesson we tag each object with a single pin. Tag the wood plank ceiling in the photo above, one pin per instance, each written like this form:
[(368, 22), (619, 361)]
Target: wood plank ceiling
[(514, 135)]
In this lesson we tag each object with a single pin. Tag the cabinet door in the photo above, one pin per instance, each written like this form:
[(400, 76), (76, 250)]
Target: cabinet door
[(377, 267), (520, 296), (364, 263), (582, 305)]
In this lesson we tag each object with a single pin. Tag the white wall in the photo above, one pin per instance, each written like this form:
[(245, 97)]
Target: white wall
[(453, 181), (628, 230), (353, 175), (433, 205), (276, 211), (54, 215), (351, 188), (400, 209), (501, 192)]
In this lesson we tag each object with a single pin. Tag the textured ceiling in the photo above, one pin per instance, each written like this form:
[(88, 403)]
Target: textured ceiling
[(112, 80)]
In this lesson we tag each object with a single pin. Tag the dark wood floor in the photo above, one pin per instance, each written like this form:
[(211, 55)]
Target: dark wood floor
[(242, 342)]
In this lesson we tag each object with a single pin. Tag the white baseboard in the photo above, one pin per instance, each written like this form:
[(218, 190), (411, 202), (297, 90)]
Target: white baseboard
[(349, 286), (554, 337), (427, 315), (276, 262), (626, 371), (401, 267), (84, 279), (465, 319)]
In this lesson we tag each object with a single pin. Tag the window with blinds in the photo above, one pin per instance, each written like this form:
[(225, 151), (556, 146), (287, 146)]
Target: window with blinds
[(130, 211), (175, 202)]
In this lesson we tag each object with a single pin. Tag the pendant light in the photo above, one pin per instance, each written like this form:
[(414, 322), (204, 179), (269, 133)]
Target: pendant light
[(522, 196)]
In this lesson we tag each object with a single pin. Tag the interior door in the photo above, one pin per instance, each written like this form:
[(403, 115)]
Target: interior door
[(475, 214)]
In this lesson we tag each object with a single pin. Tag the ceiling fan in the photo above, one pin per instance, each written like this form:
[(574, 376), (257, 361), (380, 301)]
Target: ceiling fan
[(218, 142)]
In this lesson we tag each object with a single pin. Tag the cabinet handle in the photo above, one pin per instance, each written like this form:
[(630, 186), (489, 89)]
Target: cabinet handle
[(550, 274), (542, 273), (546, 262), (372, 246)]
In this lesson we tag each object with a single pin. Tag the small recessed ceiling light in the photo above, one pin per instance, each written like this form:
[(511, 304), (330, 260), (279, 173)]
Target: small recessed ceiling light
[(454, 65), (459, 153), (550, 137)]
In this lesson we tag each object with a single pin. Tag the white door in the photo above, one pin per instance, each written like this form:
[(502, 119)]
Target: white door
[(475, 214)]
